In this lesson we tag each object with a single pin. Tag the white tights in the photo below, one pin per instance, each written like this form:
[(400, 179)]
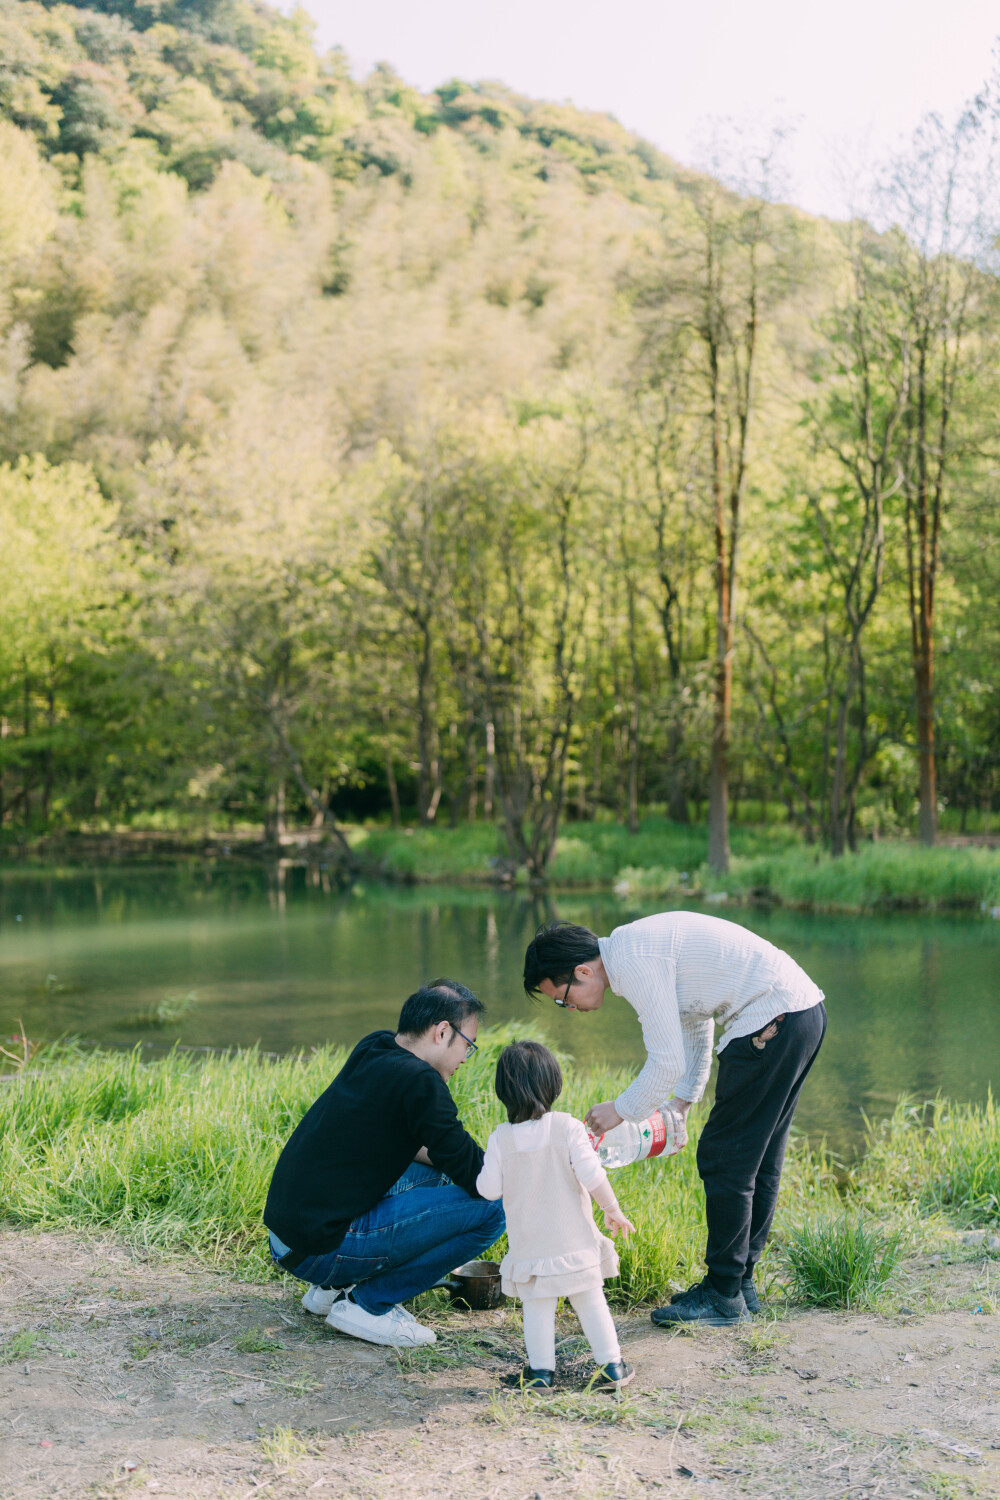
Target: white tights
[(595, 1320)]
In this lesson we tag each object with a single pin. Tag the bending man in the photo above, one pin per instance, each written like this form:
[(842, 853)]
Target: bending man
[(681, 972), (374, 1196)]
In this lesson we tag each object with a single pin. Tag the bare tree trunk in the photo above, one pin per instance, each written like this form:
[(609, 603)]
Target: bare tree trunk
[(598, 764), (633, 766), (489, 782), (26, 772), (50, 770), (309, 793), (429, 769), (925, 740), (390, 779), (718, 781), (922, 571), (838, 826), (471, 772)]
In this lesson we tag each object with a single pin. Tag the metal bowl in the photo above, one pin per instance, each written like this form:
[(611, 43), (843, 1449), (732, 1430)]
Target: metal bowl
[(477, 1284)]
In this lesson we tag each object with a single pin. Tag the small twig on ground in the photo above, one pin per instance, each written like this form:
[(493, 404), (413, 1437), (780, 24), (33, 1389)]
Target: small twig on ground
[(18, 1272), (670, 1450)]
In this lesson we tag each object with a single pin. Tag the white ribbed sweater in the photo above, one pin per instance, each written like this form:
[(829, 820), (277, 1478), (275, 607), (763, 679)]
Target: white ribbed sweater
[(682, 971)]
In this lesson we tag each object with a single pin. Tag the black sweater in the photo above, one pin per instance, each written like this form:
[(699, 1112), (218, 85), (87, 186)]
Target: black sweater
[(359, 1138)]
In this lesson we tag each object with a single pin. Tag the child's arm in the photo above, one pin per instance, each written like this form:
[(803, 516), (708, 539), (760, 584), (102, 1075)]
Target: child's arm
[(592, 1176), (489, 1183)]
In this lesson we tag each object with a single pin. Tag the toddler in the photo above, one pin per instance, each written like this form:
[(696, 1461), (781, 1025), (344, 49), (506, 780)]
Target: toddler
[(545, 1169)]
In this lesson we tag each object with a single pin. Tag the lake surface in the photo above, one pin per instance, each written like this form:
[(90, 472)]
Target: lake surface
[(274, 957)]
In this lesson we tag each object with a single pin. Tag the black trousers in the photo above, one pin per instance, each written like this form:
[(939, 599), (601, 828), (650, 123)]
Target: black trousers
[(742, 1147)]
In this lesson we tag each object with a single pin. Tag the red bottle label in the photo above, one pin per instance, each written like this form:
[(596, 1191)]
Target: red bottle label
[(658, 1127)]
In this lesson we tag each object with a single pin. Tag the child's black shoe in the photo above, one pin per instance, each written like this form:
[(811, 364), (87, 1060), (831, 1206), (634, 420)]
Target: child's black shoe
[(536, 1380), (610, 1377)]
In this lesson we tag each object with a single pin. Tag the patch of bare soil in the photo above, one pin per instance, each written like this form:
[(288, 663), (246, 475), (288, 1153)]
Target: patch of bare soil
[(126, 1376)]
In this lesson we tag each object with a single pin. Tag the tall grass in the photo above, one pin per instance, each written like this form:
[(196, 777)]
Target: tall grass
[(177, 1153), (938, 1157), (668, 859), (843, 1261), (876, 877), (585, 853)]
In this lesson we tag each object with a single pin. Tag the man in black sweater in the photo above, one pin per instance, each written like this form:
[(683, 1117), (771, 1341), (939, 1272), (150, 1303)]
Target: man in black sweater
[(374, 1196)]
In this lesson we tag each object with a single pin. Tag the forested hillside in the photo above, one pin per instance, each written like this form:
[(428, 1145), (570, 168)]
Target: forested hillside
[(459, 455)]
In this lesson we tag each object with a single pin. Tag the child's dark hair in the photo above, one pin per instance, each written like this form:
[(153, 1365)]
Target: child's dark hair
[(528, 1081)]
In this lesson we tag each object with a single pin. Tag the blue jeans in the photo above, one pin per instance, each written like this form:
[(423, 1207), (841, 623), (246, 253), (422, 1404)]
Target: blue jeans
[(423, 1228)]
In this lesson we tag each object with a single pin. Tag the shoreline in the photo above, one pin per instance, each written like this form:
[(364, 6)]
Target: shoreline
[(107, 1140), (663, 863)]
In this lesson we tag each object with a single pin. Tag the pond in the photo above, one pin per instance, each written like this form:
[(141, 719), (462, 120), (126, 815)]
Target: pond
[(236, 953)]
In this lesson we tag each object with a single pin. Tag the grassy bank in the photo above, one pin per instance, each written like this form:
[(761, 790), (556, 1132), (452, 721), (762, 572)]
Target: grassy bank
[(586, 853), (878, 878), (177, 1154), (668, 860)]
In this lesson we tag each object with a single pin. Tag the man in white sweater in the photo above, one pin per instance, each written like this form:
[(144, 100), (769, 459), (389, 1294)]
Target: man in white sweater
[(683, 972)]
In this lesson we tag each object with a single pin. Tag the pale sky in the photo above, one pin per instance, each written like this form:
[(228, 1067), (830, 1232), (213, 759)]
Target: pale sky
[(853, 75)]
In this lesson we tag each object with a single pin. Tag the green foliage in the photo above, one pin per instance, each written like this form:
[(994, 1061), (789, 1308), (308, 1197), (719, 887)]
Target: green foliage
[(177, 1154), (255, 1341), (431, 853), (150, 1151), (667, 860), (941, 1156), (19, 1346), (167, 1013), (374, 476), (585, 853), (878, 876), (845, 1261)]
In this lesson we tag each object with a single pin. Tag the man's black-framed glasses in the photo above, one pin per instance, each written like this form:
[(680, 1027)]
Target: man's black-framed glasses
[(471, 1047), (564, 1001)]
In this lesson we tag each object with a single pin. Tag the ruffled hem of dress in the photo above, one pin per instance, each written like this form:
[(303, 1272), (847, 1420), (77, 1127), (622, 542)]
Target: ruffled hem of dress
[(601, 1256), (588, 1280)]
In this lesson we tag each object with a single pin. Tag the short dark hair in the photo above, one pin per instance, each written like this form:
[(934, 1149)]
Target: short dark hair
[(554, 952), (438, 1000), (528, 1081)]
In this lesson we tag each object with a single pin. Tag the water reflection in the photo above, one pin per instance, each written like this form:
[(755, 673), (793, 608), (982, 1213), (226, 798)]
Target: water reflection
[(283, 956)]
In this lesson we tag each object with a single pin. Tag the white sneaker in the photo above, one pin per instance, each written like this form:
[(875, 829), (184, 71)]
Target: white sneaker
[(392, 1328), (319, 1299)]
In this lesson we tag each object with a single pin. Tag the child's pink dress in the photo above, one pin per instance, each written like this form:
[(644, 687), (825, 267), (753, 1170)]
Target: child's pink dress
[(546, 1171)]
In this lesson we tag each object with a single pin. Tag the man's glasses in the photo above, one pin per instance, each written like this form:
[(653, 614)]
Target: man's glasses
[(565, 993), (471, 1047)]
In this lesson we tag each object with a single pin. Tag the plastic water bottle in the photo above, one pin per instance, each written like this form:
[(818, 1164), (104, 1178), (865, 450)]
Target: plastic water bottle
[(663, 1134)]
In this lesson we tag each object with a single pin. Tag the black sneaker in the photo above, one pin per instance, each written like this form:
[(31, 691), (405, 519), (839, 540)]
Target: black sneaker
[(536, 1380), (702, 1304), (747, 1288), (610, 1377), (692, 1291)]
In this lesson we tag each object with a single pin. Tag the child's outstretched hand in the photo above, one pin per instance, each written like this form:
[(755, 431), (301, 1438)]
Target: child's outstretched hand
[(614, 1220)]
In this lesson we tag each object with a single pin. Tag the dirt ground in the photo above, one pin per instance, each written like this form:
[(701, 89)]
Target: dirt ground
[(121, 1375)]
